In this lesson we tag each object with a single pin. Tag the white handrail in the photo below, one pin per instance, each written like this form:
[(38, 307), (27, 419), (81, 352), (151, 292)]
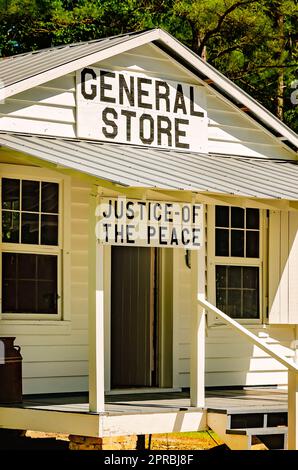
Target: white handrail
[(247, 334)]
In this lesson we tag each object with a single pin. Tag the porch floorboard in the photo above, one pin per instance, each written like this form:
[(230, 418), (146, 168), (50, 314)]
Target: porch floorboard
[(240, 401)]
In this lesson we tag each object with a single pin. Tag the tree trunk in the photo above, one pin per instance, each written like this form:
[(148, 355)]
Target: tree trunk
[(280, 71)]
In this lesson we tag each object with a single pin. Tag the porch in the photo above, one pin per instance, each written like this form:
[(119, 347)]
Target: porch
[(139, 413)]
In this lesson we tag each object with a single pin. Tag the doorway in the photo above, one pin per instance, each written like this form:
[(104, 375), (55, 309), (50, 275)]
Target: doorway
[(134, 317)]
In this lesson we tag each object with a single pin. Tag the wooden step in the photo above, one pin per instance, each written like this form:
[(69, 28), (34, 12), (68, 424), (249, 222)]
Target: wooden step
[(258, 431)]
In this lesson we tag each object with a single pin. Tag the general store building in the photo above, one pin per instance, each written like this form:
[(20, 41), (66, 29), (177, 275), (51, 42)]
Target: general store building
[(130, 122)]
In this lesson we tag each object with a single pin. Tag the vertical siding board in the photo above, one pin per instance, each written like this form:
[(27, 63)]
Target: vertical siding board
[(274, 262), (284, 267), (293, 268)]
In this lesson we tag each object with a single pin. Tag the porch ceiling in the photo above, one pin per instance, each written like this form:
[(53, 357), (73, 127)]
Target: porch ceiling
[(143, 167)]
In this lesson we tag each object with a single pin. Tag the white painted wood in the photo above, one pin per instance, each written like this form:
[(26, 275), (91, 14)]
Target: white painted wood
[(37, 127), (247, 334), (49, 421), (63, 384), (154, 423), (218, 423), (41, 353), (107, 317), (96, 314), (274, 273), (83, 424), (39, 112), (292, 410), (245, 150), (197, 366), (176, 311), (150, 60), (44, 96), (55, 369), (283, 267), (293, 268), (246, 378)]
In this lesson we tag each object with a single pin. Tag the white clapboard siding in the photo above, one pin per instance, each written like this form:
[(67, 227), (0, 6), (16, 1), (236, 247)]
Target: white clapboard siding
[(55, 359), (229, 359), (53, 354), (150, 61), (53, 384), (55, 369), (48, 109), (232, 132), (283, 267), (248, 378)]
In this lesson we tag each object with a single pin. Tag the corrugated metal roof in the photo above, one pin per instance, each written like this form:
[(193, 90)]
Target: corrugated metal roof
[(134, 166), (20, 67)]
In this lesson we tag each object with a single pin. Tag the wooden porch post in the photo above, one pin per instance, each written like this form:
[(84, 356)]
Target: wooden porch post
[(96, 313), (197, 363), (292, 410)]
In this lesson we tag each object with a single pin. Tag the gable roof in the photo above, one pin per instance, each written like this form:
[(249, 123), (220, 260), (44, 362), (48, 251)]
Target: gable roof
[(25, 71), (130, 165)]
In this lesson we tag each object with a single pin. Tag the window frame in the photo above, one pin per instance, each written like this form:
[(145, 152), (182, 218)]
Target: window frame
[(214, 261), (44, 175)]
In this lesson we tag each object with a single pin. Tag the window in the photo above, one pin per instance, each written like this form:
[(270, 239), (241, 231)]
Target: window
[(237, 261), (30, 246)]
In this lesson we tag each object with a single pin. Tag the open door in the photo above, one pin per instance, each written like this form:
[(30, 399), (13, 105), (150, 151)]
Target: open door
[(133, 322)]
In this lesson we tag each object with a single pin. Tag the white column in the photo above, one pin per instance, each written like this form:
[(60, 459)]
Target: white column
[(96, 314), (197, 363), (292, 410)]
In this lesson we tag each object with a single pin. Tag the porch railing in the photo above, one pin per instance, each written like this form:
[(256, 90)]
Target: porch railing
[(288, 363)]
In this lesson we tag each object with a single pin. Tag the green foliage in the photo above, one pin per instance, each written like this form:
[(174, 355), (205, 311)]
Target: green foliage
[(253, 42)]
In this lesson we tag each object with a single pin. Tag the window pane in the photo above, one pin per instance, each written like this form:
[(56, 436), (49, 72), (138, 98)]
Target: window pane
[(250, 304), (221, 242), (221, 276), (47, 297), (29, 283), (49, 197), (9, 296), (26, 298), (30, 228), (9, 265), (10, 227), (26, 267), (252, 244), (252, 218), (222, 216), (30, 196), (237, 243), (10, 194), (234, 303), (234, 276), (221, 299), (237, 217), (250, 277), (49, 230), (47, 268)]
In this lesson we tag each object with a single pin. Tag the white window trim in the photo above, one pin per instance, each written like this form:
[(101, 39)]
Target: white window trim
[(62, 319), (213, 261)]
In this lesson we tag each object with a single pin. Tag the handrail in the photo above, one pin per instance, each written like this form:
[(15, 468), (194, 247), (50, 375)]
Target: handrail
[(247, 334)]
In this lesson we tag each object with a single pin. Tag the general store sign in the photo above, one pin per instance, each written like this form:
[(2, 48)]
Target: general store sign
[(131, 108), (131, 222)]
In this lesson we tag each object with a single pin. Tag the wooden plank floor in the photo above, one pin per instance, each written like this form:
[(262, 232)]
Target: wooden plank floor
[(249, 399)]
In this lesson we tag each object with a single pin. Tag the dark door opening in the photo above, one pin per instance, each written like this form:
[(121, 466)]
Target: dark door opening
[(134, 326)]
